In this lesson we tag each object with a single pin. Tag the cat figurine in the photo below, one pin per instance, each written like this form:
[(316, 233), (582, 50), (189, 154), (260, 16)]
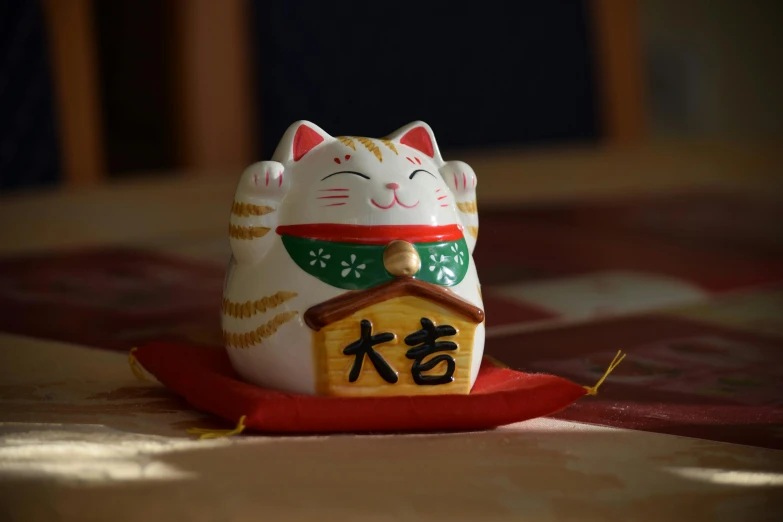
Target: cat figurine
[(352, 271)]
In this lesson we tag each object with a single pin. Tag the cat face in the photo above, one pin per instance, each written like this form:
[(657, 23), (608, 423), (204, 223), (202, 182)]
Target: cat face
[(364, 181)]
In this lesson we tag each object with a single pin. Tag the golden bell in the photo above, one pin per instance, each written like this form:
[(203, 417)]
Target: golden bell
[(400, 259)]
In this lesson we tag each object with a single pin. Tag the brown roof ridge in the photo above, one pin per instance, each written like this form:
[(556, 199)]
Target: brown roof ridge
[(348, 303)]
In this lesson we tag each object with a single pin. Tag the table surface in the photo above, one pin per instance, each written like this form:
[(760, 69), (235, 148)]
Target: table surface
[(82, 439)]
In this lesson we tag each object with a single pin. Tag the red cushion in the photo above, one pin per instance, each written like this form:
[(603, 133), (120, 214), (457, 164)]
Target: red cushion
[(205, 378)]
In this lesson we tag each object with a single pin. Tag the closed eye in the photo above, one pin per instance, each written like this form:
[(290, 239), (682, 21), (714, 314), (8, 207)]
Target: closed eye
[(420, 170), (347, 172)]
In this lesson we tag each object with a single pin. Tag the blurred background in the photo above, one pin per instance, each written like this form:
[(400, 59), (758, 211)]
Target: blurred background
[(94, 91), (630, 175)]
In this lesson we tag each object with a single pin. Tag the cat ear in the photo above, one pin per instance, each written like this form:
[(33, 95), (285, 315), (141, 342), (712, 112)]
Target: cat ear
[(418, 135), (300, 138)]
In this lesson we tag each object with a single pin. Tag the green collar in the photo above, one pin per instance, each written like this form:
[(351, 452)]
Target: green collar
[(357, 266)]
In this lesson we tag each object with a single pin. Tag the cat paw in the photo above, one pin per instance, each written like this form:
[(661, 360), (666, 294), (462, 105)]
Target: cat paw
[(460, 178), (264, 180)]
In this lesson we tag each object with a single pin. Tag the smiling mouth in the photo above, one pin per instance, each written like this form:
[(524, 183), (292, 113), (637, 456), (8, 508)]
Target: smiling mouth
[(394, 201)]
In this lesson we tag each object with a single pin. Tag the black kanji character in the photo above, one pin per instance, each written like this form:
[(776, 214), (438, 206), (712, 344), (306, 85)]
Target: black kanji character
[(428, 337), (365, 346)]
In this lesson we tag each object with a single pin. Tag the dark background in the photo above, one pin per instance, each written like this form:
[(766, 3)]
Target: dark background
[(504, 73), (28, 141), (507, 73), (523, 75)]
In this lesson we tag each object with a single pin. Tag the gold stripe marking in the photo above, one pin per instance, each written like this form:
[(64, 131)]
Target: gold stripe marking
[(389, 144), (248, 209), (268, 329), (372, 147), (469, 207), (238, 232), (348, 142), (473, 232), (259, 306)]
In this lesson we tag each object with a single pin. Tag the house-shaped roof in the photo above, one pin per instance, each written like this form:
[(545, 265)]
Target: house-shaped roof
[(348, 303)]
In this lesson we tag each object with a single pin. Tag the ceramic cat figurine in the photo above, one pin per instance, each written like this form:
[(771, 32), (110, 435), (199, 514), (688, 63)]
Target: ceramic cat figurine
[(352, 271)]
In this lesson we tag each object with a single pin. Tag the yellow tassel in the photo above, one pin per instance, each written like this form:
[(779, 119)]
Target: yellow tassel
[(135, 365), (593, 390), (495, 362), (216, 434)]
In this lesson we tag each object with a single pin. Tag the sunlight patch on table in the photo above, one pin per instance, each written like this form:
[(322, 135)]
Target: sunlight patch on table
[(729, 477)]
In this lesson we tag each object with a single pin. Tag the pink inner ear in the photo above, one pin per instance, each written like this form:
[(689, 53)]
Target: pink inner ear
[(304, 141), (419, 139)]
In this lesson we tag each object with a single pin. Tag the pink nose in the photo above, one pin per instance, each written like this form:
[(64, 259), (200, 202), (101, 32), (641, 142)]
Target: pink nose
[(392, 186)]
